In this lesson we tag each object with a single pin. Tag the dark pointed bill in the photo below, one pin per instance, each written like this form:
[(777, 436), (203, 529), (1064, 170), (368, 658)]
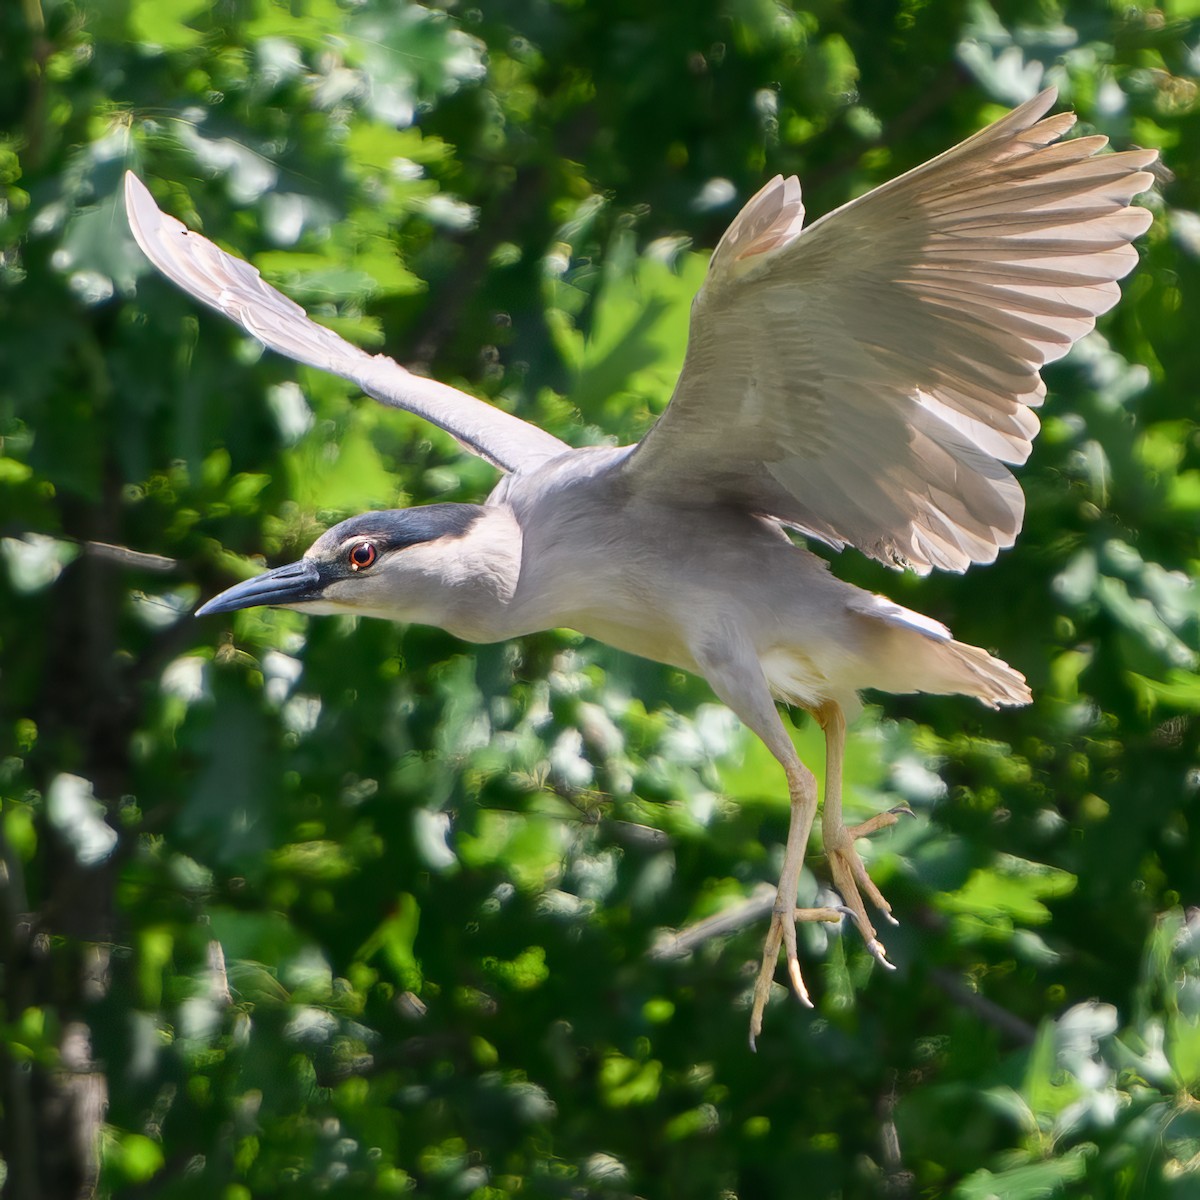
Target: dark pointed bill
[(293, 584)]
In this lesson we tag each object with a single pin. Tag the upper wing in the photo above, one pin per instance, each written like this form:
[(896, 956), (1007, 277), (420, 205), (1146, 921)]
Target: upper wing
[(865, 381), (233, 287)]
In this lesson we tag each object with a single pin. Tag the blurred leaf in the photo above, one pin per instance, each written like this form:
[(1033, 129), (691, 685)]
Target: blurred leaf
[(1034, 1181)]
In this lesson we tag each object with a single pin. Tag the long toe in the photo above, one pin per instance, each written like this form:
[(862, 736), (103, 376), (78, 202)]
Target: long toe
[(766, 976), (783, 933), (855, 886), (883, 820)]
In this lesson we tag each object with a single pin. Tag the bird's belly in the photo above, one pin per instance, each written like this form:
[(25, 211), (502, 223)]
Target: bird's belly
[(644, 636)]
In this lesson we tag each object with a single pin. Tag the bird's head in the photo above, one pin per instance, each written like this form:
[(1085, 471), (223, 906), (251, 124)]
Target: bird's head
[(398, 564)]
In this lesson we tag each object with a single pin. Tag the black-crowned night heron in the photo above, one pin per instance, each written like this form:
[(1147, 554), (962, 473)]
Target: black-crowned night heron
[(862, 381)]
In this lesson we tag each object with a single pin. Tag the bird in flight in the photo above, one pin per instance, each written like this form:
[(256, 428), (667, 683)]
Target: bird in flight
[(864, 381)]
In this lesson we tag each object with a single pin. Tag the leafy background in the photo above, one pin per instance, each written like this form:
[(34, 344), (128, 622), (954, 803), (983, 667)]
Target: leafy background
[(314, 907)]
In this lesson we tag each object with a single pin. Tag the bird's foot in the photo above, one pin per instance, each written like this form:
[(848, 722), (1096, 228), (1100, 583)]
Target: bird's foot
[(850, 877), (783, 932)]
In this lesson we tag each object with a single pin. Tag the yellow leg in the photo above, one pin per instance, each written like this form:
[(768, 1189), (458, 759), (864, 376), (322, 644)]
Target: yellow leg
[(803, 790), (850, 877), (729, 661)]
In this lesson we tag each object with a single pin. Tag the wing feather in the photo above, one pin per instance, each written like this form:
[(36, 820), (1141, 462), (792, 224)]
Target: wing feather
[(867, 379), (234, 288)]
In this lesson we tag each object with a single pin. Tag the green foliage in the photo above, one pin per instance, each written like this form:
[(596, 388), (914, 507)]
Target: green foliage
[(326, 907)]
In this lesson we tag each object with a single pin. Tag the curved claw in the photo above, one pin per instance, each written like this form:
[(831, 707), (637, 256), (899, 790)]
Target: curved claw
[(902, 810), (797, 981), (873, 944), (879, 954), (875, 948)]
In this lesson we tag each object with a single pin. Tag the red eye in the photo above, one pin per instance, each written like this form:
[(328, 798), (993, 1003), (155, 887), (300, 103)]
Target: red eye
[(362, 556)]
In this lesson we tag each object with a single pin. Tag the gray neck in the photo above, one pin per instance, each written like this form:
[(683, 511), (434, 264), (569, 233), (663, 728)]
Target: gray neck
[(476, 579)]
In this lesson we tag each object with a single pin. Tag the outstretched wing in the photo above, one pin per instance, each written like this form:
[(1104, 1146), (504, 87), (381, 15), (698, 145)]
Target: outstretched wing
[(233, 287), (866, 380)]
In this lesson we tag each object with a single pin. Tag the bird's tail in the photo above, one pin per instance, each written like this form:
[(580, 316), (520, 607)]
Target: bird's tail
[(918, 654), (974, 672)]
